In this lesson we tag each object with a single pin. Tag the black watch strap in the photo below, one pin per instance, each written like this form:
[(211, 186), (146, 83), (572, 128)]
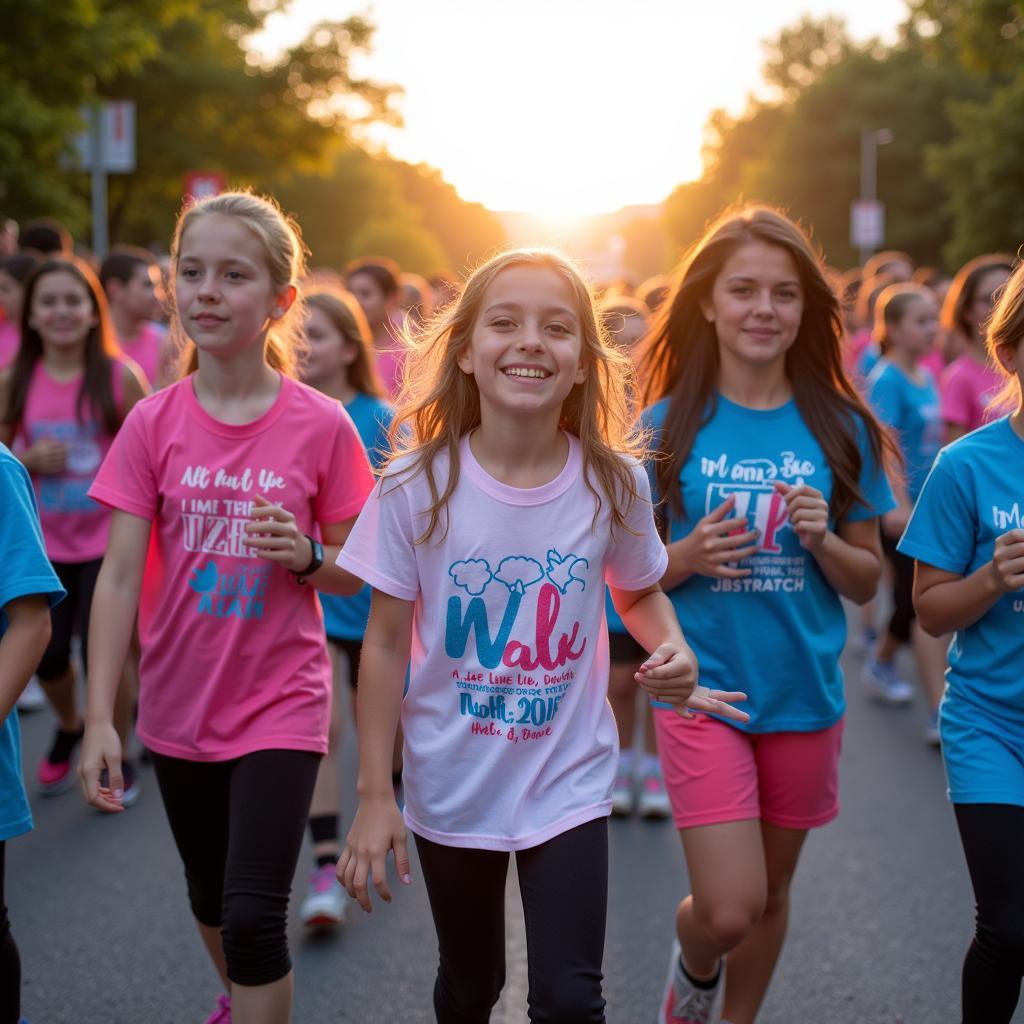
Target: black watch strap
[(315, 562)]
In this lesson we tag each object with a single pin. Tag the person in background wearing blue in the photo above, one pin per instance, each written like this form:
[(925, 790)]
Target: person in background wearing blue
[(340, 363), (28, 589), (771, 469), (905, 397), (967, 540)]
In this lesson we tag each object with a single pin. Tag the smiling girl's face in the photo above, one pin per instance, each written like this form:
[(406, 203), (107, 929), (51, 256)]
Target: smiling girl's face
[(756, 304)]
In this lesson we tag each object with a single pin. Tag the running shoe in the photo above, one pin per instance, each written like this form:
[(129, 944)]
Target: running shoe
[(222, 1015), (54, 772), (132, 784), (684, 1002), (653, 801), (623, 794), (885, 684), (32, 698), (324, 905), (867, 640), (931, 730)]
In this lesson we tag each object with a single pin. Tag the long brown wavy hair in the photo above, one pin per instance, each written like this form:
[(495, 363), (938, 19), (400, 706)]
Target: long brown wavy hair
[(438, 403), (681, 361), (97, 388)]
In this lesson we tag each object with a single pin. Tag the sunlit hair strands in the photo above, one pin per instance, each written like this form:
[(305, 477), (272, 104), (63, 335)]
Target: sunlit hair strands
[(681, 361), (282, 245), (438, 403), (1006, 334)]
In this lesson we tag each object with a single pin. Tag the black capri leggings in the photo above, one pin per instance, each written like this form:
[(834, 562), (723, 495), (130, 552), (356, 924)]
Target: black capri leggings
[(993, 840), (238, 826), (903, 613), (564, 883), (10, 962), (69, 617)]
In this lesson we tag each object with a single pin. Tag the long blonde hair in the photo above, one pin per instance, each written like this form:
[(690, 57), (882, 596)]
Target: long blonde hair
[(1006, 332), (281, 239), (438, 403)]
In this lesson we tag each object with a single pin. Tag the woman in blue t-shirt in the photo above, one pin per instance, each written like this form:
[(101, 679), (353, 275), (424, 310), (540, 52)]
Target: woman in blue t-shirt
[(771, 474), (905, 397), (967, 537), (340, 364)]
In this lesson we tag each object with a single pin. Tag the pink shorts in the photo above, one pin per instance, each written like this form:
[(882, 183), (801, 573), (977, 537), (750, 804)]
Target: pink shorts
[(715, 773)]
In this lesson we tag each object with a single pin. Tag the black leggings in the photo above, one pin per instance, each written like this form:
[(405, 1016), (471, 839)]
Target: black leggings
[(564, 883), (993, 840), (238, 826), (903, 613), (69, 617), (10, 962)]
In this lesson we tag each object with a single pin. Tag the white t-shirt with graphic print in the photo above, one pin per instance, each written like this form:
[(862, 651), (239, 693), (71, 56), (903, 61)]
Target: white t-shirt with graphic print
[(509, 738)]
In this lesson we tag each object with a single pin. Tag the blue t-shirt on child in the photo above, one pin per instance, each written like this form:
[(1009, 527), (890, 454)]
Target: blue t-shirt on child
[(345, 617), (911, 408), (975, 494), (776, 634), (27, 571)]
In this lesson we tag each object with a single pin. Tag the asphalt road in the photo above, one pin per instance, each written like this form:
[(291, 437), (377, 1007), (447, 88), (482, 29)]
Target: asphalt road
[(882, 911)]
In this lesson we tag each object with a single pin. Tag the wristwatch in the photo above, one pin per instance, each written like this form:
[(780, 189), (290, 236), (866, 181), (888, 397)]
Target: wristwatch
[(314, 563)]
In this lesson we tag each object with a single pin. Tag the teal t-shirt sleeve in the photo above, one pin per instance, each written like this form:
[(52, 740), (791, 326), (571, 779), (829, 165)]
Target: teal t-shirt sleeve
[(27, 570), (885, 396), (874, 485), (942, 528)]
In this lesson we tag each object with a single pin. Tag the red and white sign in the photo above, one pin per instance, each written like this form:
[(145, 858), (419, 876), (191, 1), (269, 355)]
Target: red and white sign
[(117, 129), (203, 184)]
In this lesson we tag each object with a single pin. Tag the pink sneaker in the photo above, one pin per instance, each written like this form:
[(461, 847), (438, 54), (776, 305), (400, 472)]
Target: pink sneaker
[(54, 772), (222, 1015)]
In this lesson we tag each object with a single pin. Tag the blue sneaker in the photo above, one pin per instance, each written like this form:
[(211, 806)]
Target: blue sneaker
[(885, 684)]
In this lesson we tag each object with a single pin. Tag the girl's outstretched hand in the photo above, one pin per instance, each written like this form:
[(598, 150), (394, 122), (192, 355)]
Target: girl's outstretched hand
[(669, 675), (377, 828), (101, 752), (718, 702), (273, 534), (808, 514)]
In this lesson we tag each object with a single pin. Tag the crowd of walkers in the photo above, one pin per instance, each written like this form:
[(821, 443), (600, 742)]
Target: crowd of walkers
[(534, 535)]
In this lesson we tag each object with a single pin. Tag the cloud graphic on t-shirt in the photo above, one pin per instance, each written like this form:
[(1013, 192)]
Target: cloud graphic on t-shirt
[(472, 575), (518, 572), (204, 580), (562, 570)]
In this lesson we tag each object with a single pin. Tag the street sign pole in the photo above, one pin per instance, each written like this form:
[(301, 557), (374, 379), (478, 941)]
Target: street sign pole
[(99, 183)]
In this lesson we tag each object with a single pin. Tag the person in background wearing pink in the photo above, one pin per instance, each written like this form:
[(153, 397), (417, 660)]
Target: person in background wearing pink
[(62, 401), (374, 283), (13, 272), (135, 290), (221, 485), (970, 380)]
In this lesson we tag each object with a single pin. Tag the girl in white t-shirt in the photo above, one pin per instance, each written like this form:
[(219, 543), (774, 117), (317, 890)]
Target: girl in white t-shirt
[(488, 543)]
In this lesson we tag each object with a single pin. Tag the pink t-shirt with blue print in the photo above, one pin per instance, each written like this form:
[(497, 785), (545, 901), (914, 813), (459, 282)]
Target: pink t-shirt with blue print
[(233, 651), (509, 738)]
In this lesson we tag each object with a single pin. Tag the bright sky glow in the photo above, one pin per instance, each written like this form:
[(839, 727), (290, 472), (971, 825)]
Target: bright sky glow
[(567, 106)]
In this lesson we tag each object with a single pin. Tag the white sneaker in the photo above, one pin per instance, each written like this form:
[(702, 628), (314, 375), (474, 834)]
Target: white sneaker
[(653, 801), (623, 794), (885, 684), (32, 697), (684, 1002), (931, 730), (324, 905)]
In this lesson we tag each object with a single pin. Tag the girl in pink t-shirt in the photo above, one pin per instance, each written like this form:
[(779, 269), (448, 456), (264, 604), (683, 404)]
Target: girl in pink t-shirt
[(220, 485), (970, 381), (13, 272), (61, 402), (488, 545)]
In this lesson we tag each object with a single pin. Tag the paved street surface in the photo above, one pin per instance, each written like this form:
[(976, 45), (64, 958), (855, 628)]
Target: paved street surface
[(881, 911)]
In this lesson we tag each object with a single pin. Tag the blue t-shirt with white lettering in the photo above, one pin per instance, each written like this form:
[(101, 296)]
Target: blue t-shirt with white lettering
[(26, 571), (345, 617), (911, 408), (778, 633), (974, 494)]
